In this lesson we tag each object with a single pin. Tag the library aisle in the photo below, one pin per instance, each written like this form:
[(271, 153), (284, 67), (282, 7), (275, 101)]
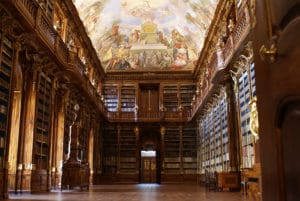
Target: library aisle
[(139, 192)]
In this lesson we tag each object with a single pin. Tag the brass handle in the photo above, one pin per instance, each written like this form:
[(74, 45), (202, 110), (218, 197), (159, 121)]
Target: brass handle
[(268, 55)]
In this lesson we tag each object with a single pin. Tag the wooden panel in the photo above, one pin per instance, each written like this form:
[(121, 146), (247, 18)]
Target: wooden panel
[(149, 98), (75, 174), (228, 180), (149, 170)]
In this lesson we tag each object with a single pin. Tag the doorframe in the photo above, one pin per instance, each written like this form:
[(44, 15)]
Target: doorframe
[(150, 134), (142, 169)]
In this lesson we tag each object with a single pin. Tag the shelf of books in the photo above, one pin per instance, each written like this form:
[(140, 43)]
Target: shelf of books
[(172, 150), (110, 149), (170, 98), (187, 92), (247, 91), (127, 150), (224, 134), (83, 138), (128, 98), (42, 129), (6, 64), (189, 149), (111, 98), (213, 132)]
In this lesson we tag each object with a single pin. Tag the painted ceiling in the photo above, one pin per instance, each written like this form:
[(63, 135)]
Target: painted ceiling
[(147, 34)]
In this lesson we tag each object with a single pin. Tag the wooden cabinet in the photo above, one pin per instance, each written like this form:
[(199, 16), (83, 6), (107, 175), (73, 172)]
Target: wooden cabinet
[(228, 180), (75, 175)]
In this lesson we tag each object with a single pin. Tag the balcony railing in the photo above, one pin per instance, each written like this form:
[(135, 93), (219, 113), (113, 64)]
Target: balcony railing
[(218, 62), (39, 21), (149, 116)]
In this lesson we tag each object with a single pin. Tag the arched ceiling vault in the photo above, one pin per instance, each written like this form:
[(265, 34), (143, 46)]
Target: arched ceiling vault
[(147, 35)]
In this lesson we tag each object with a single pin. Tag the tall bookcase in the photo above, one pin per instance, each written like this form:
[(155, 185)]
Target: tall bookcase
[(111, 97), (172, 150), (110, 151), (214, 143), (170, 97), (127, 150), (6, 64), (224, 135), (247, 91), (189, 149), (42, 129), (128, 98), (187, 92)]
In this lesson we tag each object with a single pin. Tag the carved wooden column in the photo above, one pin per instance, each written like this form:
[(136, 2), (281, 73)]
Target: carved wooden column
[(162, 148), (137, 149), (118, 147), (180, 149), (233, 130), (58, 134), (91, 147), (98, 150), (30, 92), (16, 104)]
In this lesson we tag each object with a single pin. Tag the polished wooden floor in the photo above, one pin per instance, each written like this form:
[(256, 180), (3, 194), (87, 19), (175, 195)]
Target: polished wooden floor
[(139, 192)]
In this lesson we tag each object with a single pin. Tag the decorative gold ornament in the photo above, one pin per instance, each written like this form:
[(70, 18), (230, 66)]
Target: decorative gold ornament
[(268, 55), (254, 126)]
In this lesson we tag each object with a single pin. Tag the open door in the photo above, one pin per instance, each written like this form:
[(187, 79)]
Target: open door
[(277, 65), (149, 167)]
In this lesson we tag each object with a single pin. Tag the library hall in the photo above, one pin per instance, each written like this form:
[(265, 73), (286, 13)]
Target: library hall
[(150, 100)]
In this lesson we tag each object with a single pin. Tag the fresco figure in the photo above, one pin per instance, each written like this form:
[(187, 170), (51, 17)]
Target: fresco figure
[(122, 64)]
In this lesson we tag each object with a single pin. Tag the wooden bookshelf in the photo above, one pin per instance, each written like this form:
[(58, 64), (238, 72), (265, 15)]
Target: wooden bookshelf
[(170, 97), (127, 150), (83, 137), (214, 142), (224, 136), (246, 92), (6, 64), (111, 97), (128, 100), (110, 149), (189, 149), (172, 150), (187, 91), (42, 129)]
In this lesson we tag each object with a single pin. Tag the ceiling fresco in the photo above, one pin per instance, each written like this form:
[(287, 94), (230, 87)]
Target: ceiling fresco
[(147, 34)]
